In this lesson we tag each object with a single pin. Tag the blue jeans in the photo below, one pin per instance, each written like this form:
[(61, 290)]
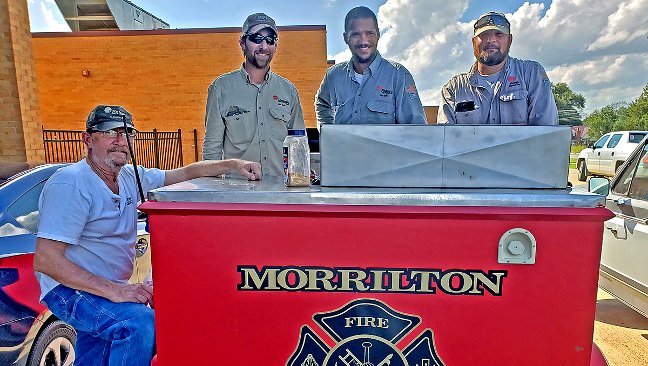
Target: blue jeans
[(108, 333)]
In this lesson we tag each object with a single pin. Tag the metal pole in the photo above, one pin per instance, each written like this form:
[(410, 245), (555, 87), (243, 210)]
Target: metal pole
[(195, 136), (155, 147)]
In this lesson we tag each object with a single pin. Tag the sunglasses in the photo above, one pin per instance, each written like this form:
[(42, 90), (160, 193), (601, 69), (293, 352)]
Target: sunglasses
[(258, 38), (492, 19)]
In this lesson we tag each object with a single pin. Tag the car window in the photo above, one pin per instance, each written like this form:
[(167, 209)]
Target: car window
[(25, 208), (601, 142), (639, 184), (633, 181), (614, 141), (636, 137)]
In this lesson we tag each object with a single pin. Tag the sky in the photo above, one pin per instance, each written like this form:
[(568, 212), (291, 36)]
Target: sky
[(598, 47)]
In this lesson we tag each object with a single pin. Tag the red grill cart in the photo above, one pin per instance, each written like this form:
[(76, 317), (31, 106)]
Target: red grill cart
[(253, 273)]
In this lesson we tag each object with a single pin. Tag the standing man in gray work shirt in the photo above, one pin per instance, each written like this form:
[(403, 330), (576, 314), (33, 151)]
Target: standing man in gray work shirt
[(250, 110), (498, 89), (368, 89)]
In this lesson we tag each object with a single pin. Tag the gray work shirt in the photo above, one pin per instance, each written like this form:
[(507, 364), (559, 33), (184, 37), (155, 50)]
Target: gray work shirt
[(250, 122), (387, 95), (521, 96)]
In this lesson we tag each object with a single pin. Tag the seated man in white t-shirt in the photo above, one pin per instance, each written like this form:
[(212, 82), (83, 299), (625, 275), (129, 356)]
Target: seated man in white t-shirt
[(86, 241)]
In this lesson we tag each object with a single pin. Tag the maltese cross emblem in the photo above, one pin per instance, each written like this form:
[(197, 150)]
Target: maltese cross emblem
[(366, 332)]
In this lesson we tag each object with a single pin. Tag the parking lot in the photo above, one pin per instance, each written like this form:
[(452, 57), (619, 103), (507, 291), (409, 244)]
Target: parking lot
[(620, 332)]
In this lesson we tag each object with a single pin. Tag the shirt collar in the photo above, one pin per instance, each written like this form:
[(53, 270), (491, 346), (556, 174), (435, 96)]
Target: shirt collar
[(246, 76), (472, 74), (373, 67)]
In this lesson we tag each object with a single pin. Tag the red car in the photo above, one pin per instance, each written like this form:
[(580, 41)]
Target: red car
[(29, 334)]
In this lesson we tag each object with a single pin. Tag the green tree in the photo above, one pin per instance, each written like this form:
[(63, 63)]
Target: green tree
[(637, 113), (570, 104), (606, 119), (619, 117)]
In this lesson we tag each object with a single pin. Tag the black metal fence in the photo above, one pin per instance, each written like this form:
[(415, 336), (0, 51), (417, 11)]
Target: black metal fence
[(152, 149)]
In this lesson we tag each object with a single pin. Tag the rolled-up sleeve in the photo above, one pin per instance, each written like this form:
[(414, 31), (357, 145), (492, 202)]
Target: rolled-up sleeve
[(214, 126)]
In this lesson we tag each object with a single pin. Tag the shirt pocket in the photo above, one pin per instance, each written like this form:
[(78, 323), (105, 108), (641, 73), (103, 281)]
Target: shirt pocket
[(469, 117), (240, 128), (514, 107), (383, 111), (279, 123)]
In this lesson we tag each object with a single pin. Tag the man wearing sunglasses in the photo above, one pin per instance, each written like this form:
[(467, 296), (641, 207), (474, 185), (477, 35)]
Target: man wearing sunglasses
[(86, 242), (367, 89), (250, 110), (498, 89)]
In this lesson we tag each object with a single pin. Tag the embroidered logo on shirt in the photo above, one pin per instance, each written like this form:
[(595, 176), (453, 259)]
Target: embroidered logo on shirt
[(411, 91), (129, 201), (281, 102), (235, 110), (513, 81), (384, 92)]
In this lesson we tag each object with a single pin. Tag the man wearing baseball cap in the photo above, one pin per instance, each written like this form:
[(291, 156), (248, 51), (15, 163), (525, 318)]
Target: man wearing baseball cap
[(498, 89), (250, 110), (86, 241)]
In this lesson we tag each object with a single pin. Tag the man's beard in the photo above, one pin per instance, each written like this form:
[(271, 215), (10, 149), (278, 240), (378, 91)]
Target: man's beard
[(115, 163), (251, 59), (491, 59), (366, 60)]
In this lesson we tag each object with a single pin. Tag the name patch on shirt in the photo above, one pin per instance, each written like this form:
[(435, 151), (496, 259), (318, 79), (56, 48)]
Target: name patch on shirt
[(384, 92), (281, 102), (513, 81)]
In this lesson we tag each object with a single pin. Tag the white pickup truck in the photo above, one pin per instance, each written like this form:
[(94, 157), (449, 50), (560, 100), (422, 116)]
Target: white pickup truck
[(608, 153)]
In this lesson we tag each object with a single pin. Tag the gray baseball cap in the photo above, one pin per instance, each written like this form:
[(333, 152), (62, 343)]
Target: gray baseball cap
[(256, 22), (492, 21), (108, 117)]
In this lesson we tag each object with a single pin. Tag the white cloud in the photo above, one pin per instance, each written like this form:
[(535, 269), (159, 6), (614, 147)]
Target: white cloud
[(599, 51), (341, 56), (53, 24)]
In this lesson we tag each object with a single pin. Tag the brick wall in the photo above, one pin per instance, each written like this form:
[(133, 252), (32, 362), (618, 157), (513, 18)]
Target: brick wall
[(160, 76), (20, 126)]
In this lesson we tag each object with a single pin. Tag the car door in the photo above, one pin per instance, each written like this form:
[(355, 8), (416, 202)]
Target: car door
[(19, 290), (595, 155), (625, 240), (607, 161)]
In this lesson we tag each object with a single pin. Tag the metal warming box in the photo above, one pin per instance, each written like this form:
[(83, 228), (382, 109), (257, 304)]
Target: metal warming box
[(254, 273)]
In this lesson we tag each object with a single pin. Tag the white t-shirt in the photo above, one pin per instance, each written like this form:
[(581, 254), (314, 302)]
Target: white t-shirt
[(77, 207)]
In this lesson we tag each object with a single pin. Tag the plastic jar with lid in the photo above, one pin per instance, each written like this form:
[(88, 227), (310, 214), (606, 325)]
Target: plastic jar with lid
[(296, 159)]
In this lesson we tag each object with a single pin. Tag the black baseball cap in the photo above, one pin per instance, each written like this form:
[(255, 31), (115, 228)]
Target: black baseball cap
[(108, 117)]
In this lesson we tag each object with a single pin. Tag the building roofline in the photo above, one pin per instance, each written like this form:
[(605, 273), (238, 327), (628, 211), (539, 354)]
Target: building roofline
[(168, 31), (152, 16)]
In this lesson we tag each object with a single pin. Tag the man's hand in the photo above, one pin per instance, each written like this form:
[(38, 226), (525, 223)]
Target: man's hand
[(249, 169), (138, 293)]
